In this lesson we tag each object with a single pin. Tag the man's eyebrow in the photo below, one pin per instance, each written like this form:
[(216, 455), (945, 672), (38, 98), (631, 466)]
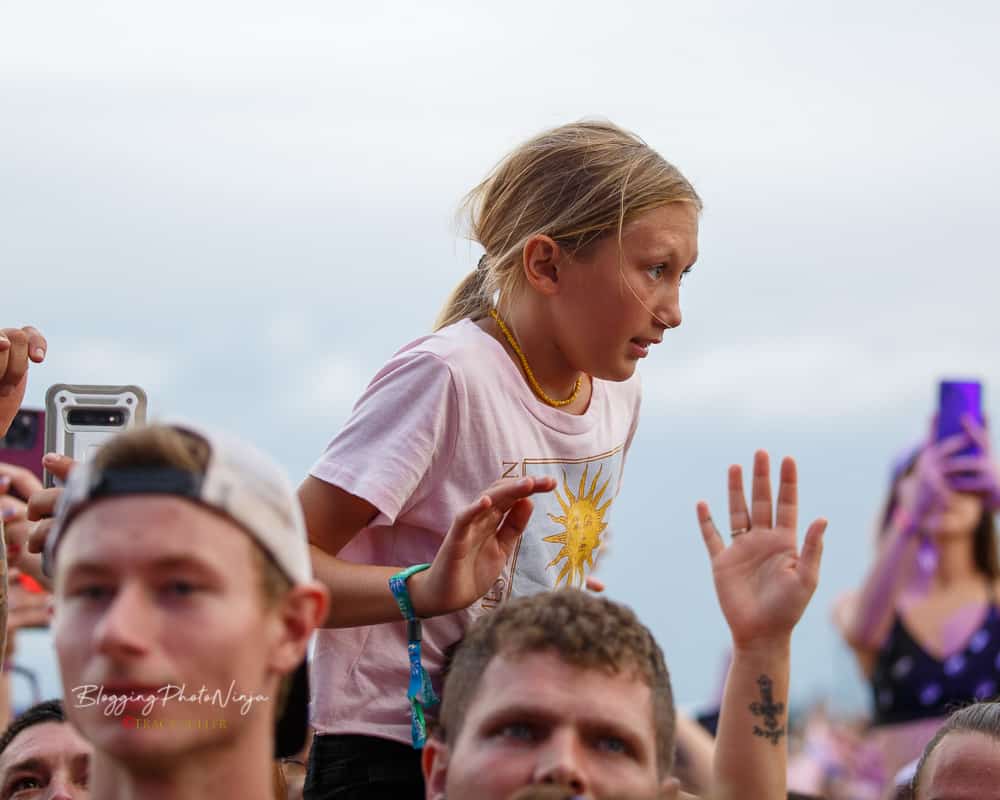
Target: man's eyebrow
[(181, 562), (31, 763), (89, 568), (520, 712), (529, 713)]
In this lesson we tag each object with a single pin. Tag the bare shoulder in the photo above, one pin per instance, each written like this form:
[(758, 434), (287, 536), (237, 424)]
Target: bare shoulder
[(843, 609)]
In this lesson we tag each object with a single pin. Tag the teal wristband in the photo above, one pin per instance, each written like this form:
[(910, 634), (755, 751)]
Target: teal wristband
[(420, 692)]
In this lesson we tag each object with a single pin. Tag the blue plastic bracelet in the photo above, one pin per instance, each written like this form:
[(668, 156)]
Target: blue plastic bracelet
[(420, 693)]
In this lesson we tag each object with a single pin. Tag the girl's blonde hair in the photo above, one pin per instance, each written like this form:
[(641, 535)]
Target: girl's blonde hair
[(576, 184)]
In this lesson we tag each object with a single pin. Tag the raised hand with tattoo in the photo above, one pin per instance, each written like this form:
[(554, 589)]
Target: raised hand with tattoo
[(763, 583)]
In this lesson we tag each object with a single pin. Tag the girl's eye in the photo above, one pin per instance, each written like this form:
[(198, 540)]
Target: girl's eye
[(656, 272)]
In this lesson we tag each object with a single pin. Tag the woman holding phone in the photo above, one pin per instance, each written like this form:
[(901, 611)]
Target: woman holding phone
[(925, 623)]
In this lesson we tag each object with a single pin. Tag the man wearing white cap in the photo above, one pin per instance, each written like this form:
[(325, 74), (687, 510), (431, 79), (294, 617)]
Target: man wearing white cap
[(184, 602)]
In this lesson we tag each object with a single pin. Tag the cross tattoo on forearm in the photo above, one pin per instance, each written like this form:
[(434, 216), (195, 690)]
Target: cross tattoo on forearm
[(769, 710)]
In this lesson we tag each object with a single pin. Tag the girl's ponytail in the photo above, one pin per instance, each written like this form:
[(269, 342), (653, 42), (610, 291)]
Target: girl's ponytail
[(469, 299)]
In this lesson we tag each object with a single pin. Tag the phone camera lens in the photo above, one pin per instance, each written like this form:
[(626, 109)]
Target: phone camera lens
[(22, 433), (95, 418)]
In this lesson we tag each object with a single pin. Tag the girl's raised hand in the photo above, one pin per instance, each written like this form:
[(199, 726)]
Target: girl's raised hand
[(978, 473), (926, 489), (761, 579), (476, 547)]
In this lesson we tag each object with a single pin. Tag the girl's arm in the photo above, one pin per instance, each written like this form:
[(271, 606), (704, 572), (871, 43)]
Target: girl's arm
[(471, 557), (865, 623), (865, 620), (359, 593), (763, 585)]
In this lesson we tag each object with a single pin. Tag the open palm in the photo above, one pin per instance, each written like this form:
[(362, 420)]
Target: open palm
[(475, 550), (761, 579)]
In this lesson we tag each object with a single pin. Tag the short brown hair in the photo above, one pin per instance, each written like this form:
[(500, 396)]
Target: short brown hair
[(981, 718), (583, 630)]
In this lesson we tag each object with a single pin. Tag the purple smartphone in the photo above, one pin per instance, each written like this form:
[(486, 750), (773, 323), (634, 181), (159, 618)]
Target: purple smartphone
[(958, 399), (24, 444)]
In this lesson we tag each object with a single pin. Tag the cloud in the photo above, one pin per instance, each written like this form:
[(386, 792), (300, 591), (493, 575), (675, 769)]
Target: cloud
[(104, 361), (326, 387), (815, 380)]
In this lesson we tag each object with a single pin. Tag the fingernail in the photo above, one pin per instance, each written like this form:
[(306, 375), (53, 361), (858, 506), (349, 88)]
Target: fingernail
[(4, 480), (8, 513), (39, 353), (50, 458), (525, 482)]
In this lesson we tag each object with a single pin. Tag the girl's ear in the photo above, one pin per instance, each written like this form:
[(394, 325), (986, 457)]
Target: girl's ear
[(541, 257)]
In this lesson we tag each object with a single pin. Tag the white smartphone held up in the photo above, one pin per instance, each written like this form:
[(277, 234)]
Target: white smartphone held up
[(80, 418)]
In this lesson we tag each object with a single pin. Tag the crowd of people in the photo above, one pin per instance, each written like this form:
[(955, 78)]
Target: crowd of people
[(439, 558)]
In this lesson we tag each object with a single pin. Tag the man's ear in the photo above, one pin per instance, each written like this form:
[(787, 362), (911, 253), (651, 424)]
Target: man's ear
[(541, 257), (302, 609), (434, 761)]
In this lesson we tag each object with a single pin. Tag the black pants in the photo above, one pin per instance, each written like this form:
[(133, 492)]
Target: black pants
[(343, 767)]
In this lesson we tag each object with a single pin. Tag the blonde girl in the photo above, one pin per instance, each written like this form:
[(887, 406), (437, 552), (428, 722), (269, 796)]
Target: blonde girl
[(527, 385)]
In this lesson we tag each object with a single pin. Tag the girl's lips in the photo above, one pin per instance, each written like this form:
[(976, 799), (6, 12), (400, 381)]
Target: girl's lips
[(637, 349)]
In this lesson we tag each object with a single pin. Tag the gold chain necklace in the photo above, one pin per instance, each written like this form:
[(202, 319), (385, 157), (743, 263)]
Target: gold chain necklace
[(532, 381)]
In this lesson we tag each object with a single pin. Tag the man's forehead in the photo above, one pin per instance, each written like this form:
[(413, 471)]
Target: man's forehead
[(142, 520), (519, 678), (45, 741)]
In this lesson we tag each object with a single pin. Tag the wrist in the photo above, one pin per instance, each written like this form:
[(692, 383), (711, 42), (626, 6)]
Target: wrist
[(420, 599), (764, 647), (905, 521)]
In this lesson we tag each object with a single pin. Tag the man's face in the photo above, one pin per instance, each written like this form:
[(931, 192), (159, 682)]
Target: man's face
[(152, 592), (537, 719), (47, 761)]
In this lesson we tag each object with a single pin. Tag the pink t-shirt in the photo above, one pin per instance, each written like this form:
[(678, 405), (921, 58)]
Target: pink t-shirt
[(449, 415)]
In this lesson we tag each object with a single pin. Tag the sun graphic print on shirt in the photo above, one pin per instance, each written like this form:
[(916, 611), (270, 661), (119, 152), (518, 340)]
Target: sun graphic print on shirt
[(569, 526), (583, 523)]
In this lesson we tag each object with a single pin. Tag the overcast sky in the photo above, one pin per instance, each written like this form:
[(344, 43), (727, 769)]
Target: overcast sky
[(247, 207)]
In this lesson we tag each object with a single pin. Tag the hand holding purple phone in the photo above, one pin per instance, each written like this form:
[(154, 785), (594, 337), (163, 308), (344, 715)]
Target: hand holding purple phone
[(926, 489), (979, 471)]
